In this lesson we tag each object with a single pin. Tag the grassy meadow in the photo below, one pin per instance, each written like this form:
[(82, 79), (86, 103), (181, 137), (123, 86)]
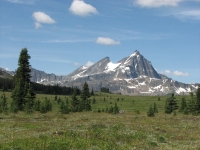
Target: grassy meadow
[(101, 131)]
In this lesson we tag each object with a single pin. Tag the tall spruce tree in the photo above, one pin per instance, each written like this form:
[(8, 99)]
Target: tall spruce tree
[(75, 104), (21, 81), (85, 94), (183, 105), (29, 100)]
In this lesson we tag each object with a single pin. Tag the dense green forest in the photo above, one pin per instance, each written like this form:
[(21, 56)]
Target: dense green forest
[(8, 84)]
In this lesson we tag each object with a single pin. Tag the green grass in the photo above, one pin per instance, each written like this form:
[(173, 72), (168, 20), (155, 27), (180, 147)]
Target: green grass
[(93, 130)]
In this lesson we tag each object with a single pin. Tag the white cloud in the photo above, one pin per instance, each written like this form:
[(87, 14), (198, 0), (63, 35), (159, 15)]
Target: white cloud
[(21, 1), (107, 41), (178, 73), (41, 17), (157, 3), (80, 8), (37, 25), (88, 64), (190, 14), (76, 64), (175, 73), (167, 72)]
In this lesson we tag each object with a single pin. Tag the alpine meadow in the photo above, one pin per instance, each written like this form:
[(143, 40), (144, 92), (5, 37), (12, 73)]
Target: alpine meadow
[(84, 119), (99, 75)]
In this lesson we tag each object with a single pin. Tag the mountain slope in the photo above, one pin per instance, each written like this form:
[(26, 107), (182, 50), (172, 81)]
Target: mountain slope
[(133, 75)]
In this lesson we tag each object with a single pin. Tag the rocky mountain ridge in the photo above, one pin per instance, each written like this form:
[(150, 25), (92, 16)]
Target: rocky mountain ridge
[(133, 75)]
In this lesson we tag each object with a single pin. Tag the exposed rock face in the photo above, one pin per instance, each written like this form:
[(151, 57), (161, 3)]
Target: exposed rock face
[(133, 75)]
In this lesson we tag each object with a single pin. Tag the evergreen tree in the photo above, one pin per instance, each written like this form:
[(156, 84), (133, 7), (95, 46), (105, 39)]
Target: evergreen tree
[(150, 112), (93, 101), (171, 104), (110, 109), (75, 104), (29, 100), (115, 109), (155, 108), (183, 105), (64, 108), (3, 104), (191, 107), (92, 93), (55, 98), (21, 81), (198, 99), (36, 106), (85, 94)]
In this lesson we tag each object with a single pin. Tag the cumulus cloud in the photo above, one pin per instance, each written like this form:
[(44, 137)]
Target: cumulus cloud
[(157, 3), (89, 63), (107, 41), (80, 8), (175, 73), (42, 18)]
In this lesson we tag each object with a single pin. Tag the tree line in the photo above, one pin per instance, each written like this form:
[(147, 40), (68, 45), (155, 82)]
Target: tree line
[(8, 85)]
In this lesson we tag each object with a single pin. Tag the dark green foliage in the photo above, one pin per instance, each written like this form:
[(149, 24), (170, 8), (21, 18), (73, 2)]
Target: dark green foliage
[(158, 98), (3, 104), (99, 110), (93, 101), (36, 106), (6, 84), (46, 106), (29, 100), (150, 112), (161, 139), (85, 94), (171, 104), (75, 103), (55, 98), (104, 99), (92, 93), (59, 100), (192, 107), (110, 110), (105, 90), (198, 99), (183, 105), (64, 107), (21, 81), (155, 108), (115, 109)]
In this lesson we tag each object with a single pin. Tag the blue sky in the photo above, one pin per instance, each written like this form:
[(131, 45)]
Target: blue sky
[(63, 35)]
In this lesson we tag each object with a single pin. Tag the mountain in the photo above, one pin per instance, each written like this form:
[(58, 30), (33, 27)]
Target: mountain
[(5, 74), (133, 75)]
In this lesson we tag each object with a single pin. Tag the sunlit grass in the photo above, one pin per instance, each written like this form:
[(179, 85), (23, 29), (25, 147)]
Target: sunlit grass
[(93, 130)]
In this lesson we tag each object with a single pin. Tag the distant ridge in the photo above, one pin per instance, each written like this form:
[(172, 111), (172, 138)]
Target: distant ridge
[(132, 75)]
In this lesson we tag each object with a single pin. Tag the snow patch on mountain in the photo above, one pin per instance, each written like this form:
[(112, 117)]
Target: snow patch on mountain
[(111, 67)]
